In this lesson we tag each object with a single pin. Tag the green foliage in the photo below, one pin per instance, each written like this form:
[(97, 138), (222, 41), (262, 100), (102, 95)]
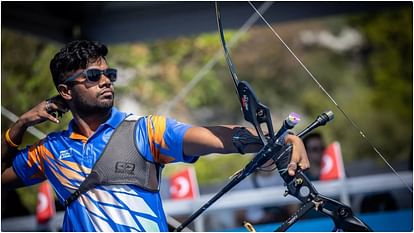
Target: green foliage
[(28, 196), (215, 169), (389, 70), (373, 85), (162, 68), (26, 79)]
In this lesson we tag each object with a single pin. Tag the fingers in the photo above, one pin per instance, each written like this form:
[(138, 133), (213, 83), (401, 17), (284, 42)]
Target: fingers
[(51, 118), (48, 104), (292, 167), (56, 103), (47, 111), (54, 108), (40, 113), (59, 103), (299, 157), (51, 107)]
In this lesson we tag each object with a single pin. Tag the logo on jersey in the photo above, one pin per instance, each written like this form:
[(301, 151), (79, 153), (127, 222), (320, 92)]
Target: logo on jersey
[(124, 167), (65, 154)]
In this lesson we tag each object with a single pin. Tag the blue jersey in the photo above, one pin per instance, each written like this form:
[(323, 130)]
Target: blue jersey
[(66, 158)]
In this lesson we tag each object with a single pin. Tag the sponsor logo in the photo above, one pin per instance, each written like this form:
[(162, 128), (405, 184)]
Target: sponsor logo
[(124, 167), (65, 154)]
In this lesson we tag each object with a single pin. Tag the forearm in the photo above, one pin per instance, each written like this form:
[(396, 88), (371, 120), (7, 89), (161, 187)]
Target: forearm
[(8, 151), (38, 114), (218, 139), (215, 139), (228, 132)]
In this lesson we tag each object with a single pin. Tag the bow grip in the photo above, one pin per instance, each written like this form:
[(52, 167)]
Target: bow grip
[(253, 111), (282, 161)]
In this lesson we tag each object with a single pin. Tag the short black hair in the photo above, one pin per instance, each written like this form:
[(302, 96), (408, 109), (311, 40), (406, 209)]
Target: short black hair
[(75, 55)]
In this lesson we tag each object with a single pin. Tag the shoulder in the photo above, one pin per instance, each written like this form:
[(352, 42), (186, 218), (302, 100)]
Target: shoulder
[(50, 141), (133, 117), (55, 136)]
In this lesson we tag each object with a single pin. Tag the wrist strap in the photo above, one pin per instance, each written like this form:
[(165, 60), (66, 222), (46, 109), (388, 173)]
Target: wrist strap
[(9, 141)]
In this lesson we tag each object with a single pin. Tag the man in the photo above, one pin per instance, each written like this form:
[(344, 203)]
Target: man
[(315, 147), (85, 84)]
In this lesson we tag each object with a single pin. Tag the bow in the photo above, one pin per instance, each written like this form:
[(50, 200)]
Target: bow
[(298, 186)]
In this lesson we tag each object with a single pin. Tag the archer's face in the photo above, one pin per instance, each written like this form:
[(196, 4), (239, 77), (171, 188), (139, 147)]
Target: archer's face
[(90, 96)]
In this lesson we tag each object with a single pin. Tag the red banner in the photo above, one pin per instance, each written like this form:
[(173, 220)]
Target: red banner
[(45, 208), (332, 165), (183, 185)]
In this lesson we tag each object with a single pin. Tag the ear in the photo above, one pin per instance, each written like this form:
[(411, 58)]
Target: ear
[(65, 91)]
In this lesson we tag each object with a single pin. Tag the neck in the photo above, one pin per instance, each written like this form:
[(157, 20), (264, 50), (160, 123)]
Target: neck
[(88, 124)]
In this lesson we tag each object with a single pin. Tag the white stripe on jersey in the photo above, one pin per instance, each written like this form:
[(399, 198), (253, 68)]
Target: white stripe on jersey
[(103, 196), (135, 203), (118, 204), (98, 223), (149, 225), (120, 216)]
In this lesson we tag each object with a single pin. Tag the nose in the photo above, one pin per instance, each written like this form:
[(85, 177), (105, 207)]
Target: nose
[(104, 81)]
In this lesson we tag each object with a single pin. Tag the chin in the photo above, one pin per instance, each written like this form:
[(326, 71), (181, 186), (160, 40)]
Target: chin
[(107, 106), (106, 103)]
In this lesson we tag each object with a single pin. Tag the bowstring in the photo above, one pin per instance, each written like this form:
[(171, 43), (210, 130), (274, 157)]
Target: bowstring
[(355, 126)]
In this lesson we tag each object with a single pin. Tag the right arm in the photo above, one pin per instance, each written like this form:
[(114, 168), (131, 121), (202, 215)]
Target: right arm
[(36, 115), (8, 152)]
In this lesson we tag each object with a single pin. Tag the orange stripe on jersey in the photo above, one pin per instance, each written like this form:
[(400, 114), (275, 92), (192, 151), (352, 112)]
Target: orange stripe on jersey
[(68, 175), (77, 167), (63, 180), (60, 165), (34, 156), (77, 136), (52, 165), (41, 153), (156, 126)]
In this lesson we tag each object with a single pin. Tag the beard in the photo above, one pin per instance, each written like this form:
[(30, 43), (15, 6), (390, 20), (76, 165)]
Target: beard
[(87, 106)]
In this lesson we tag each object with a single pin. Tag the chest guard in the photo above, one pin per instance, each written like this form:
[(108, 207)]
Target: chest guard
[(121, 163)]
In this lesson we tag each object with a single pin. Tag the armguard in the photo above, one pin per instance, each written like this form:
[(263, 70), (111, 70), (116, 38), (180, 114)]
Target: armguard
[(242, 137)]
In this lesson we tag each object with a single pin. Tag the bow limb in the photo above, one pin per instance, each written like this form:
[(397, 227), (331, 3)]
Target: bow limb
[(226, 51), (253, 111)]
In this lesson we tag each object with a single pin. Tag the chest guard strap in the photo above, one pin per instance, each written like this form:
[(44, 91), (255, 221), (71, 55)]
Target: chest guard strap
[(121, 163)]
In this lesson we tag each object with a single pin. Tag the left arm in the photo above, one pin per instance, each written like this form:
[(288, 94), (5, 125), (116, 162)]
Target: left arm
[(213, 139), (218, 139)]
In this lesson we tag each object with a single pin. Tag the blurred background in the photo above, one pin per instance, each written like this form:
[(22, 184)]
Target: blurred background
[(170, 62)]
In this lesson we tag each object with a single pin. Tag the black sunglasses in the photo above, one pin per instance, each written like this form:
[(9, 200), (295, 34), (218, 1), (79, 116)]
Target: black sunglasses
[(94, 75)]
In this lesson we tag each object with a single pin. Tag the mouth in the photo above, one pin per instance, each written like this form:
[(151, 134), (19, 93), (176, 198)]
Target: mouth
[(106, 93)]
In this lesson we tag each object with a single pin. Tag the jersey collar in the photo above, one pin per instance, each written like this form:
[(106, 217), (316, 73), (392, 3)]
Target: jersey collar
[(114, 120)]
